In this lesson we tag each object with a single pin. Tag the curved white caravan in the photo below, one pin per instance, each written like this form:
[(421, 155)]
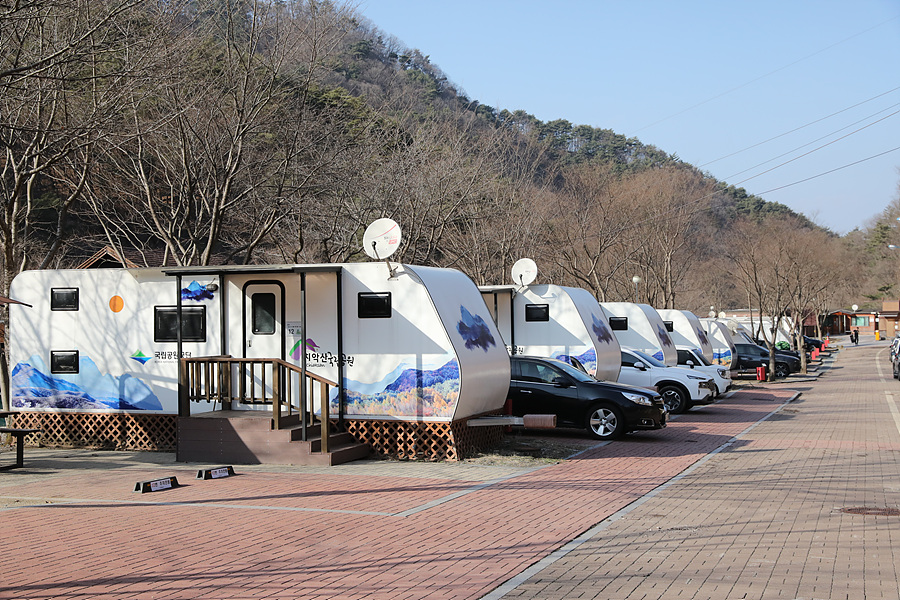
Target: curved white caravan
[(557, 322), (722, 345), (686, 330), (639, 327), (411, 343)]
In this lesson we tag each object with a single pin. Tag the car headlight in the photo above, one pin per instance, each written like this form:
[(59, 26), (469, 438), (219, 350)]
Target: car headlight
[(696, 377), (723, 373), (638, 398)]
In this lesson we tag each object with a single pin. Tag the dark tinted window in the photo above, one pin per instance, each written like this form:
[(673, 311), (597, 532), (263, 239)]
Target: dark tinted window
[(684, 356), (64, 361), (618, 323), (537, 312), (263, 308), (64, 299), (374, 305), (670, 326), (537, 372), (193, 324)]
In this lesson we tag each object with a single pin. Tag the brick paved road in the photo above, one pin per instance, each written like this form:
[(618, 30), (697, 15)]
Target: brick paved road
[(738, 521)]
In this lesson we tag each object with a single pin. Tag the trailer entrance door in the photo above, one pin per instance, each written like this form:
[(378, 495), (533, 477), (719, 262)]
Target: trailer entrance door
[(263, 319)]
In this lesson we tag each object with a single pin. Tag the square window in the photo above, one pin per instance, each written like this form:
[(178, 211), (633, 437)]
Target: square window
[(64, 361), (537, 312), (670, 326), (63, 298), (193, 323), (618, 323), (372, 305)]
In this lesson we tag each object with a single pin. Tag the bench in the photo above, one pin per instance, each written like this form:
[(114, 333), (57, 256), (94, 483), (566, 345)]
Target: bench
[(19, 434)]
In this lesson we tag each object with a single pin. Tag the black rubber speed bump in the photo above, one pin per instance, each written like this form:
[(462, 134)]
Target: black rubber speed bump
[(156, 485), (216, 473)]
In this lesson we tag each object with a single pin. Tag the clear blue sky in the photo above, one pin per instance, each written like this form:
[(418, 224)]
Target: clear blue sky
[(710, 81)]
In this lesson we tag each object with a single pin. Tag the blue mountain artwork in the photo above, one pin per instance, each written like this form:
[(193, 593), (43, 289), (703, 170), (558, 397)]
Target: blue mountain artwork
[(32, 387), (701, 335), (588, 359), (474, 331), (442, 382), (602, 332), (664, 336), (196, 292)]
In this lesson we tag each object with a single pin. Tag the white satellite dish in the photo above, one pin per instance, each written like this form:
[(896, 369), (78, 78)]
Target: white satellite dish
[(381, 239), (524, 271), (722, 315)]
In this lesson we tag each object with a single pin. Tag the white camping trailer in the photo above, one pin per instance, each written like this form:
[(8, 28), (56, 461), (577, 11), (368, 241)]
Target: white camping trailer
[(686, 330), (722, 345), (639, 327), (557, 322), (407, 343)]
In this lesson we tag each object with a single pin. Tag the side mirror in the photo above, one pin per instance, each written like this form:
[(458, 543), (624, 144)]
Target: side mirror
[(640, 366), (690, 363), (561, 382)]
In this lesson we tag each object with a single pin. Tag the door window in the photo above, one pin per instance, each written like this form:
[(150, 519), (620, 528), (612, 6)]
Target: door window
[(263, 313)]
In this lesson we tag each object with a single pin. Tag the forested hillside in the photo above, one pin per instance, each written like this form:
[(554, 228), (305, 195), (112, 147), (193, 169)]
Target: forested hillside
[(212, 131)]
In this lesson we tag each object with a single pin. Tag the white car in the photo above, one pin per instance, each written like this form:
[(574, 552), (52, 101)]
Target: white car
[(680, 388), (692, 358)]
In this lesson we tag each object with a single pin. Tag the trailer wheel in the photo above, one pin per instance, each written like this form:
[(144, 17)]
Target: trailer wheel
[(605, 423), (675, 399)]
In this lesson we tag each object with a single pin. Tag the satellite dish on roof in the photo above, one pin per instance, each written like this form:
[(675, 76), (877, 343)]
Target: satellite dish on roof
[(722, 315), (381, 239), (524, 271)]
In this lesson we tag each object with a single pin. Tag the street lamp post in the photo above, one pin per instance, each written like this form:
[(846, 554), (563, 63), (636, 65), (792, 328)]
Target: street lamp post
[(636, 281)]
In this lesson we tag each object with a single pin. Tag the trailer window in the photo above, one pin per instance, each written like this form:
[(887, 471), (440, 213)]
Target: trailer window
[(537, 312), (263, 307), (618, 323), (374, 305), (193, 323), (63, 298), (64, 361), (670, 326)]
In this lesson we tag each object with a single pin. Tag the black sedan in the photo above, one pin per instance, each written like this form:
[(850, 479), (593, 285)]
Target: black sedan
[(607, 410)]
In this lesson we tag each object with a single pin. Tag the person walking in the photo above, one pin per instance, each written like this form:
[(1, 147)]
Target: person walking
[(854, 337)]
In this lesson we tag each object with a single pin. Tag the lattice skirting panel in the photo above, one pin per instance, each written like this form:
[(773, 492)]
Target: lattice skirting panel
[(423, 441), (118, 431)]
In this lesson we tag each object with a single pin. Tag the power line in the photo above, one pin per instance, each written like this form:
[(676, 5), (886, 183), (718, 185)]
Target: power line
[(818, 148), (800, 127), (862, 160)]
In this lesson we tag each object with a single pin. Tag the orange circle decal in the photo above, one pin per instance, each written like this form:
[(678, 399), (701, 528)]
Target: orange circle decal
[(116, 304)]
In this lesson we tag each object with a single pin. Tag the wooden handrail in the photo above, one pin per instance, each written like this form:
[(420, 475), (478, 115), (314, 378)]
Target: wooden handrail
[(212, 378)]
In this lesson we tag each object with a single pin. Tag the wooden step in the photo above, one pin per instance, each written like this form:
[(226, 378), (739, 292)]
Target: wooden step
[(246, 439)]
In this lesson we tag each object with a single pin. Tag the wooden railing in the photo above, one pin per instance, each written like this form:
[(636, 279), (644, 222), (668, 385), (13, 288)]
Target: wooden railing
[(258, 381)]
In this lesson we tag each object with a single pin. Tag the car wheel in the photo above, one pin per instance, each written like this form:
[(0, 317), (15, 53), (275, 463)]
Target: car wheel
[(605, 423), (675, 399), (781, 370)]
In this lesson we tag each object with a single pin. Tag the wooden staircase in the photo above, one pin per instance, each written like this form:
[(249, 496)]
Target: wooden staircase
[(249, 437)]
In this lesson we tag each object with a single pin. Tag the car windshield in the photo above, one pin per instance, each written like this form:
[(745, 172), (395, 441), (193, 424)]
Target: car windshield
[(648, 359), (703, 360)]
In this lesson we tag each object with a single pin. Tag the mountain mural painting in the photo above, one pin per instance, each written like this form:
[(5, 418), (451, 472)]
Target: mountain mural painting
[(474, 331), (32, 387), (405, 392), (588, 360)]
